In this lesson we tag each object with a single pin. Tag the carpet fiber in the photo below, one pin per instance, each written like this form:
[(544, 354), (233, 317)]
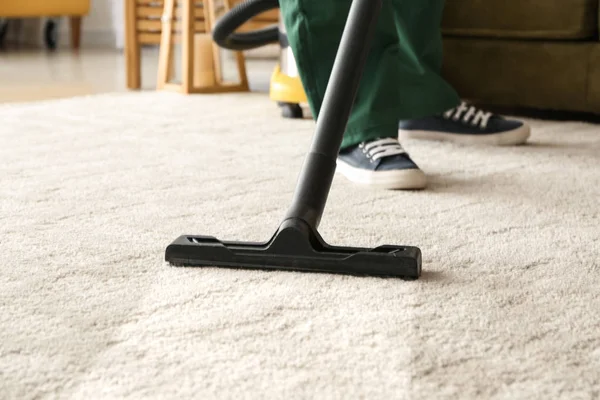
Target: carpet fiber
[(93, 189)]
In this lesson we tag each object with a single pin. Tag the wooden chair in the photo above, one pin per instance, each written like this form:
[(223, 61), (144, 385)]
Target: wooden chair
[(260, 21), (189, 23), (144, 26)]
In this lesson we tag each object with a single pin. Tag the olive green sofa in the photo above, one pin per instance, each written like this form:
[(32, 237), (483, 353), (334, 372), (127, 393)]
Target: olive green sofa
[(540, 54)]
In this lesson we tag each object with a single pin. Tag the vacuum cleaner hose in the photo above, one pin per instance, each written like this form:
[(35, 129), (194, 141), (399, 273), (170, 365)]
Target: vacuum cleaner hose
[(224, 30)]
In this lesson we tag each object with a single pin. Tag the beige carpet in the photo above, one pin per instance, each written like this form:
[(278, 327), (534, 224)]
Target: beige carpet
[(93, 189)]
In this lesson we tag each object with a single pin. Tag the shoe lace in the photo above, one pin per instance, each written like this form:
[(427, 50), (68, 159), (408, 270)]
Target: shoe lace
[(469, 114), (380, 148)]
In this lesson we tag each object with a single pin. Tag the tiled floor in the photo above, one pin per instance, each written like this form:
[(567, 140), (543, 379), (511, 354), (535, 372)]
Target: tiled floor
[(38, 75)]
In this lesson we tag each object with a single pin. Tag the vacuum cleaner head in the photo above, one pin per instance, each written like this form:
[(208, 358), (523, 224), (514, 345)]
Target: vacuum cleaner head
[(296, 247)]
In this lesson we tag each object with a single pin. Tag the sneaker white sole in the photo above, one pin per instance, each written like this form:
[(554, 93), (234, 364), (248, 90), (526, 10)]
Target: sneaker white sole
[(508, 138), (407, 179)]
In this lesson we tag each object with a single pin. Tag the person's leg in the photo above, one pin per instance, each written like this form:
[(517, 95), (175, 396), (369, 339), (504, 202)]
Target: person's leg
[(463, 123), (401, 80)]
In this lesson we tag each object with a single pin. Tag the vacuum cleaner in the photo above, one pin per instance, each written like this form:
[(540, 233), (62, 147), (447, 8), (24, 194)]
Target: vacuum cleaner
[(286, 87), (297, 245)]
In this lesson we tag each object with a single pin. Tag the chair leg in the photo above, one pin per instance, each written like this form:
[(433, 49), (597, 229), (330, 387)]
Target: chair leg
[(132, 48), (211, 18), (75, 23), (165, 57), (132, 61)]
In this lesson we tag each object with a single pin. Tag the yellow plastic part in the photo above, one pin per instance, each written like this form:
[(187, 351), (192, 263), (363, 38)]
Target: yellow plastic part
[(286, 89), (43, 8)]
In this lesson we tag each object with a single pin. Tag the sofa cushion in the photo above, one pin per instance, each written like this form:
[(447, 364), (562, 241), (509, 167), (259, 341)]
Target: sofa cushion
[(535, 19), (593, 92), (504, 72), (39, 8)]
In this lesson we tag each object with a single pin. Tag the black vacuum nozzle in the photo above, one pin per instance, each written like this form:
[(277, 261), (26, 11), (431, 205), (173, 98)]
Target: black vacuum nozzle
[(297, 244), (296, 247)]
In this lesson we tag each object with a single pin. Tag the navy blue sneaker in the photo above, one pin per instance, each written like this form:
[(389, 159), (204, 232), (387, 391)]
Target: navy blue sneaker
[(381, 163), (466, 124)]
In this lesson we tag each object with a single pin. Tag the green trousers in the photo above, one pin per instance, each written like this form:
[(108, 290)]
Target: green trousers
[(402, 75)]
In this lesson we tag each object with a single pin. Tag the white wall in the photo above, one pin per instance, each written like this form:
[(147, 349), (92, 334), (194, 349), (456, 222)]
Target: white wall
[(103, 27)]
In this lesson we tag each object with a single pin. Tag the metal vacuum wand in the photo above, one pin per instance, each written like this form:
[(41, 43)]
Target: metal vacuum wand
[(316, 177)]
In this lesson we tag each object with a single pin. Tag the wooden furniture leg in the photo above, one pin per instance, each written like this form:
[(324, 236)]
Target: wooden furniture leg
[(75, 22), (211, 18), (187, 44), (132, 47), (200, 58), (165, 59)]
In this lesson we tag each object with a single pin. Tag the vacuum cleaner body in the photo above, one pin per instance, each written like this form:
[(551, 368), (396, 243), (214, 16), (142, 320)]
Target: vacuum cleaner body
[(286, 87)]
